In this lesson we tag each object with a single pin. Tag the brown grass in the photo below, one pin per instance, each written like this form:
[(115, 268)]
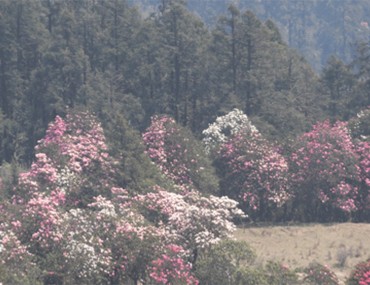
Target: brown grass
[(340, 246)]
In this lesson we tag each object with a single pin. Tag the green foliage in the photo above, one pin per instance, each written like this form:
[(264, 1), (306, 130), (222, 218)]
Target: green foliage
[(251, 276), (233, 263), (8, 179), (278, 273), (337, 87), (318, 274), (104, 56), (16, 275), (220, 264), (317, 28), (179, 155), (360, 125)]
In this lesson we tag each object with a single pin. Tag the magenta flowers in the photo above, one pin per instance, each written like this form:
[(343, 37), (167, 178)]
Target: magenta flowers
[(325, 170)]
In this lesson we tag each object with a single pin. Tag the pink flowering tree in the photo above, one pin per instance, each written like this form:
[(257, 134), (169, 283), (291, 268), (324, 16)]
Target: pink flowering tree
[(71, 168), (172, 268), (62, 211), (179, 156), (325, 172), (251, 169), (253, 172), (17, 264), (78, 148), (70, 219)]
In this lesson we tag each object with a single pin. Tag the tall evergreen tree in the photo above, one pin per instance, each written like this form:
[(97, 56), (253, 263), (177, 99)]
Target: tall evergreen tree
[(338, 83)]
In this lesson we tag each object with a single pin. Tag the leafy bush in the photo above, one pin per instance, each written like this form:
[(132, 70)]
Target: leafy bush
[(278, 273), (179, 156), (318, 274), (233, 262), (251, 276), (219, 264)]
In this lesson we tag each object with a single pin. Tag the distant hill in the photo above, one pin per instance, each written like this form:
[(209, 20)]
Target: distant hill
[(318, 28)]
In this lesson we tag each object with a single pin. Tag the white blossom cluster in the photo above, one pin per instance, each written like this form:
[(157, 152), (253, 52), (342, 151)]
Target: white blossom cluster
[(224, 127), (67, 180), (86, 260), (83, 255), (105, 208), (203, 221), (359, 125), (83, 250), (2, 234)]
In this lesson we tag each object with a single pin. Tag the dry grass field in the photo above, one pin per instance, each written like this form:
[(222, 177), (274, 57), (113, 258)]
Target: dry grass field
[(340, 246)]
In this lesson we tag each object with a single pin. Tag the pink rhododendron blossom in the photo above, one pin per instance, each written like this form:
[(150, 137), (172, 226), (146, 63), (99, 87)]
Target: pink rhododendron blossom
[(68, 213), (324, 166), (253, 171), (176, 154), (360, 274), (171, 268)]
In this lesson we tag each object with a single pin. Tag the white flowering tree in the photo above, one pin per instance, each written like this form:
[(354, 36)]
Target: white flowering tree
[(191, 220), (226, 126)]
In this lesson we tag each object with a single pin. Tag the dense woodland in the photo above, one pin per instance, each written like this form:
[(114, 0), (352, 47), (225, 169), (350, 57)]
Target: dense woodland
[(132, 142), (104, 55), (317, 28)]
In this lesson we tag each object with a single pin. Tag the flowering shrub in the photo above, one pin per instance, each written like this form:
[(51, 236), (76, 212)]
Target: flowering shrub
[(178, 155), (318, 274), (227, 256), (68, 215), (325, 171), (86, 257), (278, 273), (224, 127), (253, 172), (42, 218), (360, 275), (171, 268), (71, 166), (16, 262), (251, 169), (72, 158), (80, 138), (191, 220)]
